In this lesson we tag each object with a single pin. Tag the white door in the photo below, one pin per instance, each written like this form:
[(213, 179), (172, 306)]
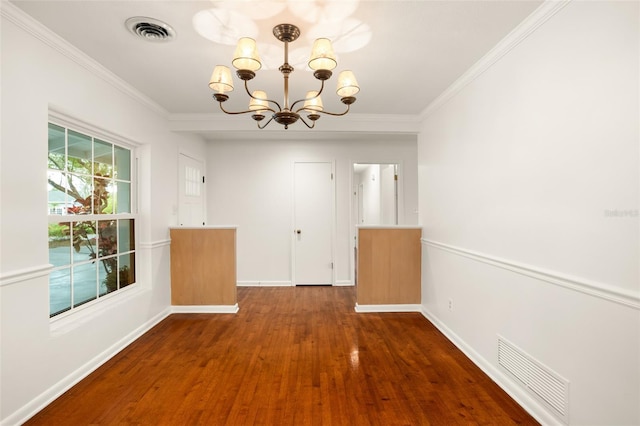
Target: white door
[(190, 192), (313, 224)]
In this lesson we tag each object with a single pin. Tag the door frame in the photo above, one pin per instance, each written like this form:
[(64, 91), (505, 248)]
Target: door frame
[(179, 206), (353, 208), (333, 216)]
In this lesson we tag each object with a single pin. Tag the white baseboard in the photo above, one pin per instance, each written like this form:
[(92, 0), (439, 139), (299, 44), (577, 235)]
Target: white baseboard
[(264, 284), (204, 309), (520, 395), (388, 308), (341, 283), (47, 397)]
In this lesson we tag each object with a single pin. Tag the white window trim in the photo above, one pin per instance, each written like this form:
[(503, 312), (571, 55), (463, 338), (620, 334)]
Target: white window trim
[(65, 320)]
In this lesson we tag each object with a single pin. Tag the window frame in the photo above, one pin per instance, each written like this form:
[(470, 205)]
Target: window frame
[(72, 124)]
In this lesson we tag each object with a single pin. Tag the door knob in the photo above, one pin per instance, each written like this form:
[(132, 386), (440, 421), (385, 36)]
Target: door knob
[(298, 231)]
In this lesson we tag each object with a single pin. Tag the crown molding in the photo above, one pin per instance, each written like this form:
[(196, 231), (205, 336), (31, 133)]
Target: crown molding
[(527, 27), (218, 125), (36, 29)]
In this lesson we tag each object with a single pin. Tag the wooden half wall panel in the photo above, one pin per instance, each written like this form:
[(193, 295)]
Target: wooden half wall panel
[(389, 266), (203, 266)]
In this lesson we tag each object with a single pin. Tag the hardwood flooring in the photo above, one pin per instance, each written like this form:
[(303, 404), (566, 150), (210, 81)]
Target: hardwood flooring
[(291, 356)]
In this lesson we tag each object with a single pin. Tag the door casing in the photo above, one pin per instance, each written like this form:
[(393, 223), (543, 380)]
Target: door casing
[(331, 211)]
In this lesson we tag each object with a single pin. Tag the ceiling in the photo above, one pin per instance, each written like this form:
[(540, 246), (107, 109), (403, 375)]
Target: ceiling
[(408, 52)]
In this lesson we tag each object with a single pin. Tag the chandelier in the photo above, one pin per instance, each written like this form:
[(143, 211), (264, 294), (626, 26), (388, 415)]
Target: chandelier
[(247, 62)]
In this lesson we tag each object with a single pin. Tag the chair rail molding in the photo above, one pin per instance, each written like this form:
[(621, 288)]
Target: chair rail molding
[(26, 274), (602, 291), (150, 245)]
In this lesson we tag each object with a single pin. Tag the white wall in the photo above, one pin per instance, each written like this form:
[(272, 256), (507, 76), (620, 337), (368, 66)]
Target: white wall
[(249, 184), (370, 181), (519, 174), (387, 194), (38, 359), (378, 194)]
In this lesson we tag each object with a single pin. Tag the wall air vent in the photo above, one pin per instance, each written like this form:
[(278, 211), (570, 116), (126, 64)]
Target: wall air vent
[(150, 29), (546, 385)]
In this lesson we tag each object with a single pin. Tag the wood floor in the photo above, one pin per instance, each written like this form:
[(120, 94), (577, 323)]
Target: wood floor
[(291, 356)]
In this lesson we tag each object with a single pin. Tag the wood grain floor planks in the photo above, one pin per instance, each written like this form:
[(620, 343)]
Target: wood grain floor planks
[(290, 356)]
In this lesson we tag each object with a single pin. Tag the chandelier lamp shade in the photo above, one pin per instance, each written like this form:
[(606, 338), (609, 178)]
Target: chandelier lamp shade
[(247, 61)]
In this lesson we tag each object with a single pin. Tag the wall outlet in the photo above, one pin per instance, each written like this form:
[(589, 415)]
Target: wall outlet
[(450, 305)]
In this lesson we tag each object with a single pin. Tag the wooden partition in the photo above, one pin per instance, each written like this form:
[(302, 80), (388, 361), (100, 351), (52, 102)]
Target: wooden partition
[(389, 260), (203, 266)]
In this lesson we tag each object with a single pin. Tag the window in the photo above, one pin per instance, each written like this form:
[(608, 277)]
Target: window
[(91, 224)]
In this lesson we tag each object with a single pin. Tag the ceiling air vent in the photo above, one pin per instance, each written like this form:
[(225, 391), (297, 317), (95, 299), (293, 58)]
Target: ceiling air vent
[(150, 29)]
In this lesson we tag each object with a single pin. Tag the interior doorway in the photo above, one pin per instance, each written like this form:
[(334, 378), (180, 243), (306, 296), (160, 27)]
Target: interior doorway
[(314, 208), (376, 193), (376, 200), (190, 191)]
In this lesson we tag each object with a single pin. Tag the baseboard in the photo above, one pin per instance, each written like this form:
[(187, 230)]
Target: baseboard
[(47, 397), (388, 308), (341, 283), (204, 309), (520, 395), (264, 284)]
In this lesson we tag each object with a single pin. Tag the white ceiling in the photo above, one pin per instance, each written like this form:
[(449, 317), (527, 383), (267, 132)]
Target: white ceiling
[(415, 49)]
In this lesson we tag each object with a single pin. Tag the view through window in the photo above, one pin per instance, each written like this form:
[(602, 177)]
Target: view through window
[(91, 225)]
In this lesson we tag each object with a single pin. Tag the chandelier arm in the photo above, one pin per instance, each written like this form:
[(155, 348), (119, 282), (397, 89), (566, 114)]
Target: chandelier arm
[(307, 124), (238, 112), (335, 114), (246, 87), (265, 124), (308, 99)]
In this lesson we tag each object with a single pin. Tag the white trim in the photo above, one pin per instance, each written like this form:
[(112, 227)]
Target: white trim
[(184, 157), (204, 309), (602, 291), (205, 226), (546, 10), (26, 274), (151, 245), (264, 284), (388, 227), (76, 317), (520, 395), (37, 404), (343, 283), (219, 127), (388, 308), (57, 43), (334, 215), (60, 117), (353, 221)]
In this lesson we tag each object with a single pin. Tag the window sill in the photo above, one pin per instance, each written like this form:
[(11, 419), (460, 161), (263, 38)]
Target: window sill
[(66, 322)]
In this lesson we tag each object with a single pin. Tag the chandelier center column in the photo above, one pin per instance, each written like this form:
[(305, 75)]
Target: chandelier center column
[(286, 33), (286, 69)]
